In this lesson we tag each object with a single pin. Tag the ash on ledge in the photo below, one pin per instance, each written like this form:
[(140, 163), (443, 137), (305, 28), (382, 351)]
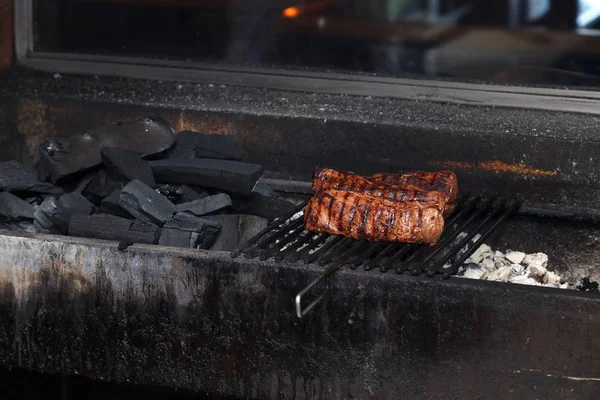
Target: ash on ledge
[(518, 267), (138, 182)]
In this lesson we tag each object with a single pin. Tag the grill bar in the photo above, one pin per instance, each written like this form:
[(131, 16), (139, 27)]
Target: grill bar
[(516, 204), (474, 219)]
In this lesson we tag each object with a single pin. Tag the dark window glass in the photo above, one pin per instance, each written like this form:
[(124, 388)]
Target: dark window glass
[(533, 42)]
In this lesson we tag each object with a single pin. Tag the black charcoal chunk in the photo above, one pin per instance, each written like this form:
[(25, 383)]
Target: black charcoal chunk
[(110, 205), (224, 147), (208, 237), (171, 192), (141, 201), (190, 222), (187, 230), (178, 194), (34, 200), (262, 206), (210, 229), (188, 194), (126, 165), (184, 146), (230, 176), (265, 190), (80, 185), (13, 208), (15, 177), (111, 227), (200, 190), (24, 225), (176, 238), (60, 160), (101, 186), (236, 230), (190, 144), (76, 203), (124, 244), (206, 205), (51, 216)]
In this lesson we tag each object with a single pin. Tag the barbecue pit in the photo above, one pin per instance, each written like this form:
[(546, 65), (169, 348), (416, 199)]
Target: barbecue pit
[(206, 321)]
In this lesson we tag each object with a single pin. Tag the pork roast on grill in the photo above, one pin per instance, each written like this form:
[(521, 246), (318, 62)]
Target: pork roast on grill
[(362, 216), (430, 188)]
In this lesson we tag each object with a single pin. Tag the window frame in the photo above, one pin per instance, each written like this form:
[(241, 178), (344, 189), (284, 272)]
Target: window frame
[(548, 99)]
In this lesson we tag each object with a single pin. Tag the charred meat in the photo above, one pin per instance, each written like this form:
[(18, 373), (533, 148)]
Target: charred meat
[(444, 182), (361, 216), (327, 178)]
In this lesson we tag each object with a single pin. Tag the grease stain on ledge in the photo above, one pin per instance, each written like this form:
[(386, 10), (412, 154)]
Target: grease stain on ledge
[(496, 166)]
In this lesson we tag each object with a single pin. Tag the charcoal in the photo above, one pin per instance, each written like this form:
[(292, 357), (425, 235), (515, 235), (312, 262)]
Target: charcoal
[(34, 201), (62, 160), (200, 190), (265, 190), (101, 186), (13, 208), (188, 194), (230, 176), (262, 206), (177, 238), (209, 235), (110, 205), (187, 230), (111, 227), (124, 244), (15, 177), (224, 147), (184, 146), (51, 216), (178, 194), (141, 201), (126, 165), (189, 144), (80, 185), (236, 230), (76, 203), (24, 225), (171, 192), (206, 205)]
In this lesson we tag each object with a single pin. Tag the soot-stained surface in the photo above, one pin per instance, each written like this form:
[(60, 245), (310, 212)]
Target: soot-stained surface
[(205, 322), (544, 157), (481, 120)]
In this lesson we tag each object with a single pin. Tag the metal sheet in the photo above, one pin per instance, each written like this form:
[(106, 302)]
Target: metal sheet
[(203, 321)]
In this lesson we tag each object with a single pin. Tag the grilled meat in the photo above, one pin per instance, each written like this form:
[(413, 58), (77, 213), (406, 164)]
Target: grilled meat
[(444, 182), (327, 178), (360, 216)]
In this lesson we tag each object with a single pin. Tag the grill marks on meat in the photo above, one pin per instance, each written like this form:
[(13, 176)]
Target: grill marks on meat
[(362, 216), (331, 179), (444, 182)]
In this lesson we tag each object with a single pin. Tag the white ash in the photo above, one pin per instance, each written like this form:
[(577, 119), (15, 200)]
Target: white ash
[(515, 257), (512, 266)]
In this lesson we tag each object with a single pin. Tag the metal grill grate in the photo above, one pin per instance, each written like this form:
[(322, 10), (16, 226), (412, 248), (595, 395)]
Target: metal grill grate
[(474, 219)]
